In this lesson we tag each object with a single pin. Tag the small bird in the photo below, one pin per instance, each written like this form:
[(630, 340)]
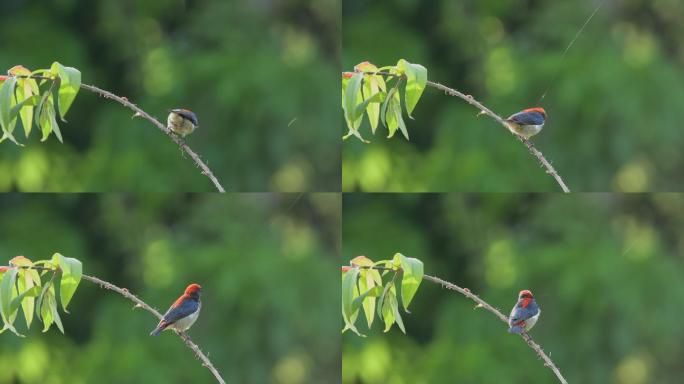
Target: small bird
[(527, 122), (182, 121), (183, 312), (525, 313)]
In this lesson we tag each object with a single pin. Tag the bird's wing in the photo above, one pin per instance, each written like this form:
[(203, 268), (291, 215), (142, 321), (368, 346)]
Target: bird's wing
[(183, 309), (527, 118), (521, 314)]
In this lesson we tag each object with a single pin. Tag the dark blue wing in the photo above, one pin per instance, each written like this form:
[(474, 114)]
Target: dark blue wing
[(527, 118), (184, 309), (187, 114), (521, 314)]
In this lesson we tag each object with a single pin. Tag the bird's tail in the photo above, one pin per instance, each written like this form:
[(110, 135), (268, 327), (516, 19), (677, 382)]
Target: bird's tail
[(162, 326), (515, 329)]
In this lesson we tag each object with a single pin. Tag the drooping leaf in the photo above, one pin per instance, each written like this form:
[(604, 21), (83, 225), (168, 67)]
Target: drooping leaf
[(349, 292), (353, 97), (7, 290), (47, 304), (72, 270), (26, 298), (55, 313), (7, 101), (25, 295), (416, 80), (366, 285), (388, 118), (69, 85), (374, 84), (388, 309), (412, 277), (397, 316)]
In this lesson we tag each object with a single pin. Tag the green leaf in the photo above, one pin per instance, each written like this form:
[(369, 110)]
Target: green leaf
[(395, 310), (26, 284), (7, 101), (53, 122), (416, 80), (25, 91), (353, 97), (395, 118), (55, 313), (373, 85), (349, 292), (368, 298), (6, 95), (70, 84), (7, 291), (412, 277), (47, 305), (42, 296), (388, 310), (25, 295), (385, 115), (361, 108), (72, 270)]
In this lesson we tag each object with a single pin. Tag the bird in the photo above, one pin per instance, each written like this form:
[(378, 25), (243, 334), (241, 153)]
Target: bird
[(527, 122), (182, 121), (183, 312), (525, 313)]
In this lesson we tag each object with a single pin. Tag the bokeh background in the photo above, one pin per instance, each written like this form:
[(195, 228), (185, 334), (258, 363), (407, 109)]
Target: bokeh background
[(615, 116), (265, 262), (606, 271), (259, 74)]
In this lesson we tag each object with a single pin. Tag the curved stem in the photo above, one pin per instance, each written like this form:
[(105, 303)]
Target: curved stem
[(139, 112), (481, 303), (486, 111), (139, 303)]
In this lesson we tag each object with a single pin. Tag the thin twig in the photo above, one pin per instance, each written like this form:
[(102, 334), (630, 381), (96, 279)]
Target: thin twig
[(139, 303), (486, 111), (528, 339), (139, 112)]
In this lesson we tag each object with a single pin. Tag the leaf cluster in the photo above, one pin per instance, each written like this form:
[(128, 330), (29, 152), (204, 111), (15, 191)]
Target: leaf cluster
[(37, 98), (378, 287), (33, 287), (376, 92)]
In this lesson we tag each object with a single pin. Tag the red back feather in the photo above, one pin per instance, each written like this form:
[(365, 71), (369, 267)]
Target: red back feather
[(536, 109)]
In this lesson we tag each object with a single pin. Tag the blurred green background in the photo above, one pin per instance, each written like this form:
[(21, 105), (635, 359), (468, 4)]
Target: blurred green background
[(265, 263), (258, 74), (606, 271), (615, 116)]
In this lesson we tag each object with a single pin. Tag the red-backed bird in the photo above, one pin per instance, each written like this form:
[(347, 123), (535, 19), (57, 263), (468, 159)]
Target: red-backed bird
[(525, 313), (183, 312), (527, 122)]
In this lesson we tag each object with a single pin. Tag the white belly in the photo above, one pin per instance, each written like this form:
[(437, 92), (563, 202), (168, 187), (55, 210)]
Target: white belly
[(525, 131), (529, 323), (186, 322), (179, 125)]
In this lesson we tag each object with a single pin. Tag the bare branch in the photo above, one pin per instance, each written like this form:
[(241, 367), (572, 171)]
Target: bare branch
[(486, 111), (481, 303), (139, 112), (139, 303)]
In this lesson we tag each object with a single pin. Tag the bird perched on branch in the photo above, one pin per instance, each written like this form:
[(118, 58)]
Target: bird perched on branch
[(182, 121), (183, 312), (527, 122), (525, 313)]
